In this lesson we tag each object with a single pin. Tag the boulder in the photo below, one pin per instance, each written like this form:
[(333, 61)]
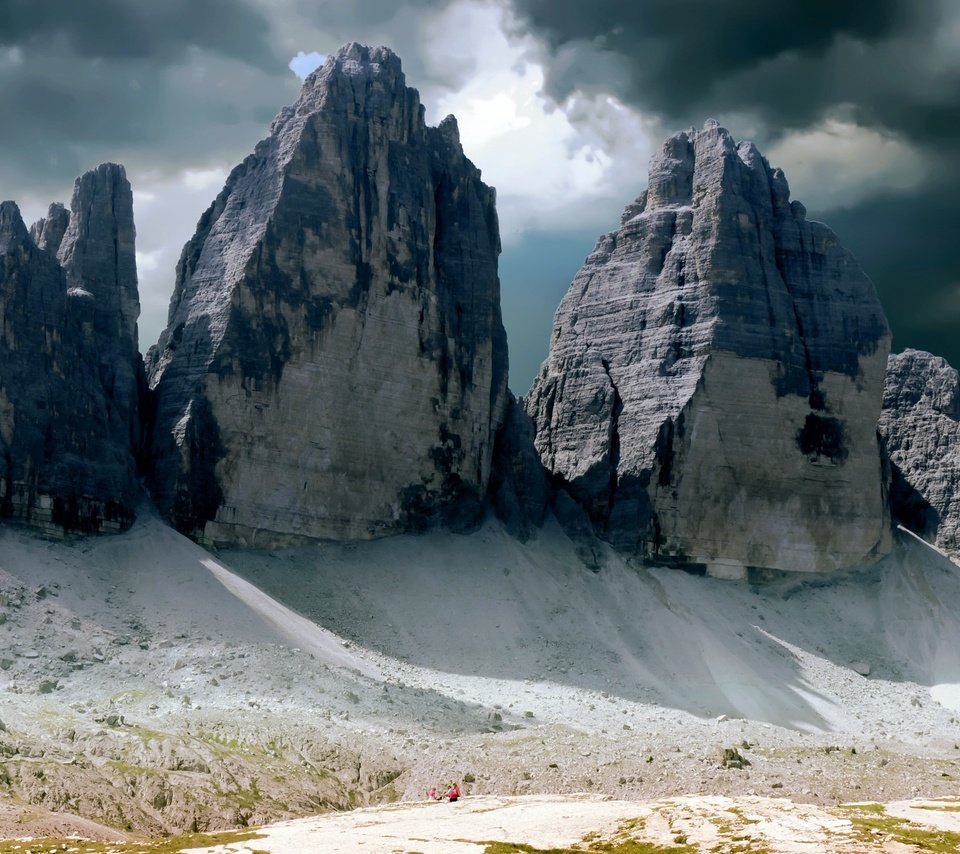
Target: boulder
[(715, 375), (335, 363)]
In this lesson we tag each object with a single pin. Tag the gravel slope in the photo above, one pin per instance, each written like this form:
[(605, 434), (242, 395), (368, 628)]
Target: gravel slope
[(151, 686)]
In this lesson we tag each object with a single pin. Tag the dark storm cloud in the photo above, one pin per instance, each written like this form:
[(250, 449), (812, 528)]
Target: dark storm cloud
[(780, 65), (340, 17), (907, 243), (64, 115), (155, 85), (403, 26), (780, 58), (139, 29)]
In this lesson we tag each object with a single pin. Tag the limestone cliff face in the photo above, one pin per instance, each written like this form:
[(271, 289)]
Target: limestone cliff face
[(920, 424), (335, 363), (69, 366), (715, 375)]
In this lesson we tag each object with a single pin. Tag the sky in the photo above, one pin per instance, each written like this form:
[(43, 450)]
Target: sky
[(560, 104)]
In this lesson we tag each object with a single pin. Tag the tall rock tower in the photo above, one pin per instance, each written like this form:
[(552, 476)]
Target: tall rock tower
[(334, 363), (70, 370), (715, 376)]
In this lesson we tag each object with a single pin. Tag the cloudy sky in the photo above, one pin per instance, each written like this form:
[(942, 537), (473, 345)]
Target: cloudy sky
[(560, 104)]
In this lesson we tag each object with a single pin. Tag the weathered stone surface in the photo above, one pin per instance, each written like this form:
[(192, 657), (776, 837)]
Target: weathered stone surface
[(335, 363), (48, 232), (519, 487), (69, 366), (715, 375), (920, 425), (98, 254)]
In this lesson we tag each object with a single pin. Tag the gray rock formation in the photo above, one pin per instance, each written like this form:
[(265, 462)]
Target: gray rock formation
[(334, 363), (98, 254), (69, 366), (920, 425), (48, 232), (519, 488), (715, 375)]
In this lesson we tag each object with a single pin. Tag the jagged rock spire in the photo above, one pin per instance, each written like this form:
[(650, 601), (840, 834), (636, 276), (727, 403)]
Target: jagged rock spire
[(334, 363), (69, 368)]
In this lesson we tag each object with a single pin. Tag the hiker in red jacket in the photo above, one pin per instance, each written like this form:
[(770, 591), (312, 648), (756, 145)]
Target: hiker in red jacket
[(454, 793)]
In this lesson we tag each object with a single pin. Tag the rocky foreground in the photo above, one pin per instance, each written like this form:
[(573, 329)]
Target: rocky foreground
[(149, 688), (531, 823)]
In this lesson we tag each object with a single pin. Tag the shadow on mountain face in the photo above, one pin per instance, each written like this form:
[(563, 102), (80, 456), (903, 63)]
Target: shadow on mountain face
[(485, 605), (910, 506), (896, 616)]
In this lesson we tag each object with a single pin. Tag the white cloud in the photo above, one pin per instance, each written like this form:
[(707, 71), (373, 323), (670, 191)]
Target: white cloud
[(142, 198), (149, 262), (203, 179), (11, 56), (838, 163), (303, 64), (550, 171)]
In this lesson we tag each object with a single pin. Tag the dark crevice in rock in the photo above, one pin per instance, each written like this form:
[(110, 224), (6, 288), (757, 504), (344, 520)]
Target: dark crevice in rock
[(910, 507), (198, 495), (663, 452), (823, 436), (616, 409)]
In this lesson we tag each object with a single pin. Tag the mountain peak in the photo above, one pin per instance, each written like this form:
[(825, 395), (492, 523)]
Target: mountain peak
[(357, 60), (12, 228), (716, 337), (341, 293)]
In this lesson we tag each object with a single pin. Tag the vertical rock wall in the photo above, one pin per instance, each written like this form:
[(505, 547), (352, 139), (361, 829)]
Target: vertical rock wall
[(334, 363), (715, 375), (69, 366), (920, 424)]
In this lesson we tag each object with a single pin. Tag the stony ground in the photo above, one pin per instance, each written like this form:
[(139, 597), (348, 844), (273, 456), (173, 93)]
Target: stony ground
[(552, 824), (147, 688)]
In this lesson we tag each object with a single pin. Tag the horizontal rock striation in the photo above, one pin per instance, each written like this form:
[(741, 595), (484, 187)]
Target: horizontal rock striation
[(70, 371), (715, 375), (334, 363), (920, 425)]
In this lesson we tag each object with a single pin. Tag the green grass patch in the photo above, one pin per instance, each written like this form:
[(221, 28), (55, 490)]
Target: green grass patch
[(943, 806), (171, 845), (871, 824), (630, 846)]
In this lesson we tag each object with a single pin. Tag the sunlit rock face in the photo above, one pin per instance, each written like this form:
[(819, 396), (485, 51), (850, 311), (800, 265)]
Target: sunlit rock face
[(335, 364), (920, 424), (70, 371), (715, 376)]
